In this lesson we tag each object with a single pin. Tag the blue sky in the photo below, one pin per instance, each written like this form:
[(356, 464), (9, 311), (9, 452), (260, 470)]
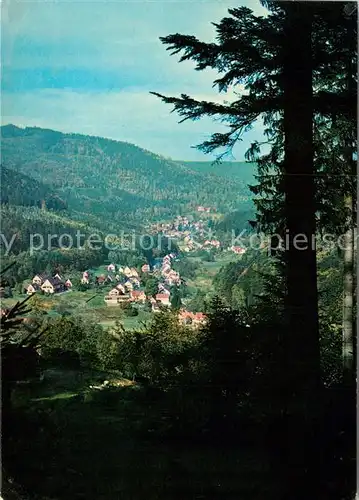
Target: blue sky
[(88, 67)]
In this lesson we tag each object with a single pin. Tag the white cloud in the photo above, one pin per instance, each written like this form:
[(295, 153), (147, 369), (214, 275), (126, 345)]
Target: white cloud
[(120, 36)]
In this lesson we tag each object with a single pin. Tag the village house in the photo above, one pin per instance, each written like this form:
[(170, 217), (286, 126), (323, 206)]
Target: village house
[(110, 300), (127, 272), (100, 280), (138, 296), (53, 285), (238, 250), (166, 269), (111, 268), (199, 318), (38, 279), (128, 285), (32, 288), (115, 300), (115, 292), (164, 299), (85, 280), (185, 317), (124, 298), (134, 273), (189, 318), (173, 278), (212, 243), (48, 284), (120, 288)]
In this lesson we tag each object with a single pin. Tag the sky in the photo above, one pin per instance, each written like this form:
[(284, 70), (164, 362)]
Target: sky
[(88, 67)]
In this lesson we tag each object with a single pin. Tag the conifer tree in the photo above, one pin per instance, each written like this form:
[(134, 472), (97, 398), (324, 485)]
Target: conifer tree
[(175, 299), (289, 64)]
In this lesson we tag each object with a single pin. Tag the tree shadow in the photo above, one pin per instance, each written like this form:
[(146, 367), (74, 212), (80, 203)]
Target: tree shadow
[(107, 444)]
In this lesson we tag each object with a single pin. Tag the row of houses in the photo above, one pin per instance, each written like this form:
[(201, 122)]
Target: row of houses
[(118, 295), (48, 284), (129, 279), (170, 276), (179, 227), (126, 293)]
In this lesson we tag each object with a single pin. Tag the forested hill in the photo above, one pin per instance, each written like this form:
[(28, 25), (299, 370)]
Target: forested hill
[(19, 189), (240, 171), (114, 180)]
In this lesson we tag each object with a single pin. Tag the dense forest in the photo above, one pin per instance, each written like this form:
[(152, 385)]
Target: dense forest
[(260, 400), (115, 181)]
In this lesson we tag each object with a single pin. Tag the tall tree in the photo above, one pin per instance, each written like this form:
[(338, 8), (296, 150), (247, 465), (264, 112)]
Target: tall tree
[(175, 298), (287, 63), (349, 246)]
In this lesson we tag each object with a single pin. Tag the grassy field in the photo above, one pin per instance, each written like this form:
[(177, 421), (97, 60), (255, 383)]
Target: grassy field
[(70, 442), (88, 304), (207, 271)]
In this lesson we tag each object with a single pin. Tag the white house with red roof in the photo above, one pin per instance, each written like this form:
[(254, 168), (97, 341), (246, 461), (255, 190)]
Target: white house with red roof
[(189, 318), (138, 296), (164, 299), (238, 250)]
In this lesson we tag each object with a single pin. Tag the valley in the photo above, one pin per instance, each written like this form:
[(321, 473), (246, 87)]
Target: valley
[(55, 184)]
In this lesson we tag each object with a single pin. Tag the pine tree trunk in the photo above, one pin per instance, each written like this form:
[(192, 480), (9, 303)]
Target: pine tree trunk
[(301, 343), (348, 304), (349, 256), (302, 294)]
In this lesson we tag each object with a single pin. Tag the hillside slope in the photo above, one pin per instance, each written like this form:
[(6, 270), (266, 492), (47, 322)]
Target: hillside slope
[(20, 189), (240, 171), (114, 180)]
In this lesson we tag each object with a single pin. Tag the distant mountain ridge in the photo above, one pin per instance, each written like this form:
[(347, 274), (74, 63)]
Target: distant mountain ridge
[(115, 181)]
